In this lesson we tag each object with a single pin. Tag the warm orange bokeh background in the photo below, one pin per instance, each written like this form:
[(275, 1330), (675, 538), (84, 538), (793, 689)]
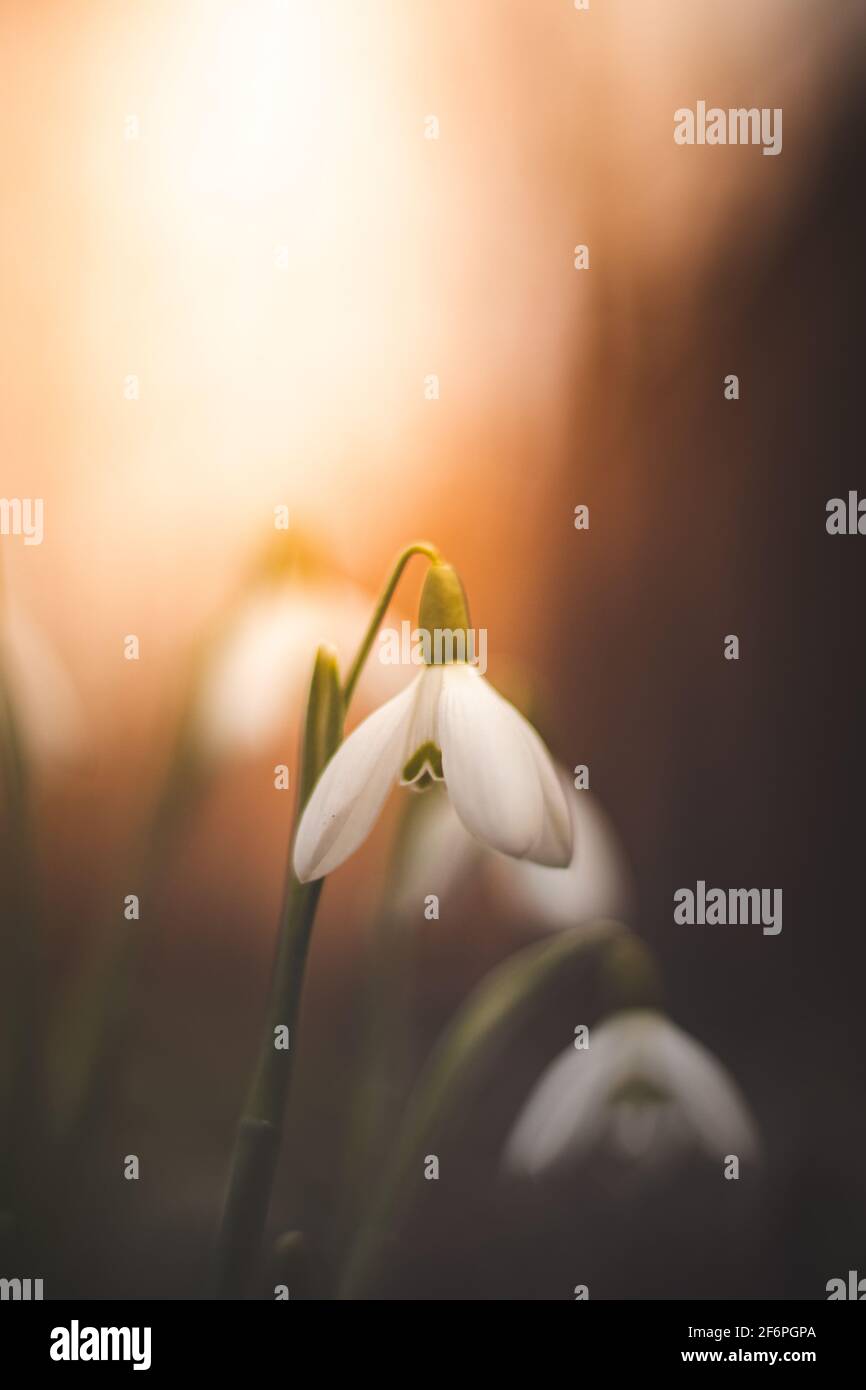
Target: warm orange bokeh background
[(281, 257)]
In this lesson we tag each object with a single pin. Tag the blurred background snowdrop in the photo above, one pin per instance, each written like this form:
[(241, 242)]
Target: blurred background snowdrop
[(250, 682), (438, 854), (641, 1093), (46, 707), (259, 672)]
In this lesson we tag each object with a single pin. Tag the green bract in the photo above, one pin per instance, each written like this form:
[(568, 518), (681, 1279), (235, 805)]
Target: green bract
[(443, 609)]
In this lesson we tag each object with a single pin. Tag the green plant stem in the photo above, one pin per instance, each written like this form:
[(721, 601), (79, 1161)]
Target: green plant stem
[(416, 548), (260, 1130), (257, 1147)]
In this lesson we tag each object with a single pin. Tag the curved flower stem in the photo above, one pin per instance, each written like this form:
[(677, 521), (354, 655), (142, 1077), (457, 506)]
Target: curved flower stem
[(416, 548), (608, 955)]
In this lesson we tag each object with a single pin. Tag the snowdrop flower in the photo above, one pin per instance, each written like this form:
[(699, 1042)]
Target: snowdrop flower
[(448, 725), (46, 706), (642, 1090)]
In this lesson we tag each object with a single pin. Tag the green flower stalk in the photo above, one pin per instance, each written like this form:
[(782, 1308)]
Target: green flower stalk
[(259, 1134), (416, 548)]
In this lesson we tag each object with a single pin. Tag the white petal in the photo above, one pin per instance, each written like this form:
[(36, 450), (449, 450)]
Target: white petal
[(554, 847), (425, 716), (575, 1105), (491, 767), (596, 884), (568, 1110), (707, 1095), (350, 792)]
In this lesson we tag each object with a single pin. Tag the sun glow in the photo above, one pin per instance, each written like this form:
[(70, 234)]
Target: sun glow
[(241, 267), (258, 99)]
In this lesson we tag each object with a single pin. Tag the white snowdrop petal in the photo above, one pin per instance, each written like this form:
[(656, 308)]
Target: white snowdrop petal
[(579, 1102), (424, 726), (706, 1093), (489, 764), (567, 1111), (596, 884), (554, 847), (350, 792)]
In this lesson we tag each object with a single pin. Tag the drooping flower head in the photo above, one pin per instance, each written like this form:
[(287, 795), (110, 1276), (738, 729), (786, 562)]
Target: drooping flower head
[(642, 1091), (448, 725)]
